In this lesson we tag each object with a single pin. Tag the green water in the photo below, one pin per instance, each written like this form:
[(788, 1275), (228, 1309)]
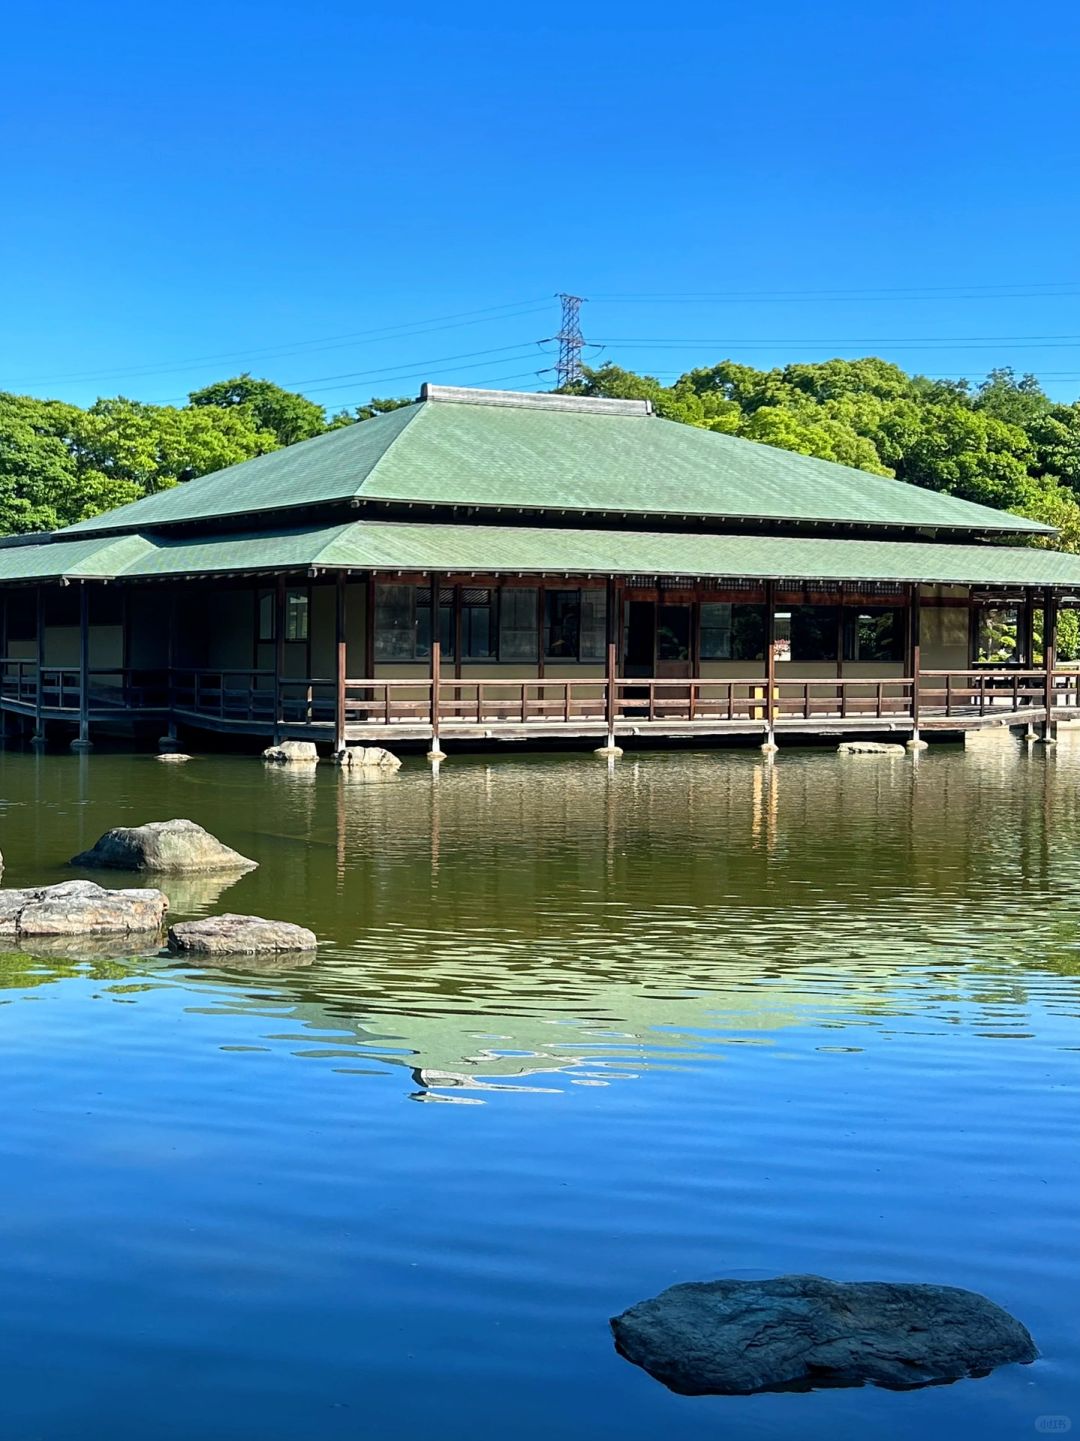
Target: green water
[(692, 1015)]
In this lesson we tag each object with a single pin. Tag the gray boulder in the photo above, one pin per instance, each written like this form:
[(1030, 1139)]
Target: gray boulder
[(80, 908), (180, 847), (735, 1338), (869, 748), (292, 753), (231, 935), (368, 758)]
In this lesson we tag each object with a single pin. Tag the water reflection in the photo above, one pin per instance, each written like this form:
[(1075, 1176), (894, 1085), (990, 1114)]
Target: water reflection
[(680, 1016)]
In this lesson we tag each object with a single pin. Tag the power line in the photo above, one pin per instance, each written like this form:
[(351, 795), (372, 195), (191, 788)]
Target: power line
[(841, 340), (404, 331), (1018, 290)]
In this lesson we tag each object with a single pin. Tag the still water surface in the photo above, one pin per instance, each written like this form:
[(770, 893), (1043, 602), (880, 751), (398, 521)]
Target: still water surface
[(572, 1036)]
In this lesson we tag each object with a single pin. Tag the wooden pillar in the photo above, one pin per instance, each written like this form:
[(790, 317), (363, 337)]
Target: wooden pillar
[(436, 752), (341, 663), (493, 602), (915, 663), (279, 654), (611, 691), (39, 698), (82, 742), (1050, 610), (770, 667), (369, 628)]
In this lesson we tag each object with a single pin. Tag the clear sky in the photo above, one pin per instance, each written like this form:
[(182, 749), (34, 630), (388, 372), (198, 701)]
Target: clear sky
[(309, 191)]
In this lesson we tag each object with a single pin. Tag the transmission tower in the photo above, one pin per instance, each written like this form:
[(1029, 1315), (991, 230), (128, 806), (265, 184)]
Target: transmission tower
[(571, 342)]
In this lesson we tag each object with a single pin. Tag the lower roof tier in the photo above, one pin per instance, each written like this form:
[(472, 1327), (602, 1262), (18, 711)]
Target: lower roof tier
[(527, 550)]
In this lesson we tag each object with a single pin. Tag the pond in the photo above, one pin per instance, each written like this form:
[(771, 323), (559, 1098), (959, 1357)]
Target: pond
[(574, 1033)]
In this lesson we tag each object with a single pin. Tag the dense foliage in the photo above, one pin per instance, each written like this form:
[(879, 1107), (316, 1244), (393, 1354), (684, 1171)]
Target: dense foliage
[(1004, 442)]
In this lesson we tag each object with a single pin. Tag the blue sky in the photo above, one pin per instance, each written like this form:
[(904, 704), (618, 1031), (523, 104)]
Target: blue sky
[(314, 193)]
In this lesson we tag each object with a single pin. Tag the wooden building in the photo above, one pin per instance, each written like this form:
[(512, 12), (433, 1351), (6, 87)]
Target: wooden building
[(491, 565)]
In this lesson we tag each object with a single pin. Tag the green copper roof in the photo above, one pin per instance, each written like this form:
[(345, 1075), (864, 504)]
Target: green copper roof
[(94, 558), (540, 455), (419, 547)]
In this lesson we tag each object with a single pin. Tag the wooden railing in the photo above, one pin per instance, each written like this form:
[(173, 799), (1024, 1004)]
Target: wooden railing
[(252, 695), (257, 697), (983, 692), (108, 688)]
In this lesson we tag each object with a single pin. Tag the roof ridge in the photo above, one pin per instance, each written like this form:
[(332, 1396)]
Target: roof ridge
[(416, 407)]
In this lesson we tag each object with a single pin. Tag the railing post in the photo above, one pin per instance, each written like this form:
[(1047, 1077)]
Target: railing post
[(435, 753), (279, 653), (1050, 608), (341, 663), (82, 742), (38, 737), (769, 745)]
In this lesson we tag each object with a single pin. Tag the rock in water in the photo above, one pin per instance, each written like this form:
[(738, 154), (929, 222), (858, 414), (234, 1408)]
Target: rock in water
[(80, 908), (173, 758), (230, 935), (735, 1338), (291, 752), (166, 846), (869, 748), (368, 757)]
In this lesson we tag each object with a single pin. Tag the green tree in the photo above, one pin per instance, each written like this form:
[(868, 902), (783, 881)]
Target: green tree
[(287, 415), (152, 447)]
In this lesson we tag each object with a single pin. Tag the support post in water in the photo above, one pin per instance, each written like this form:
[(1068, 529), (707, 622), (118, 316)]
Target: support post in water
[(610, 750), (916, 743), (1050, 609), (340, 663), (38, 738), (436, 753), (279, 655), (769, 747), (82, 741)]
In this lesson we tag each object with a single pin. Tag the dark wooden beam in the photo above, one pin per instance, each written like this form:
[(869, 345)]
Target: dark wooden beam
[(341, 660)]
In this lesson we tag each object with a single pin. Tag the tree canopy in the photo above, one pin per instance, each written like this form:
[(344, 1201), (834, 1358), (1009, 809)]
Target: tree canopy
[(1003, 442)]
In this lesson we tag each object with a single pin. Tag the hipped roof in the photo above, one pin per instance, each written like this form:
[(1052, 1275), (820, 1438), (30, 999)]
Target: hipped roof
[(390, 546), (494, 450)]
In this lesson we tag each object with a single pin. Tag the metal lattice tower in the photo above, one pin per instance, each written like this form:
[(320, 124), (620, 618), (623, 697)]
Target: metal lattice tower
[(571, 342)]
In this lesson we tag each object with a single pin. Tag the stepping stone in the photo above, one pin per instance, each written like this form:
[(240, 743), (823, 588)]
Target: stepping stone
[(231, 935)]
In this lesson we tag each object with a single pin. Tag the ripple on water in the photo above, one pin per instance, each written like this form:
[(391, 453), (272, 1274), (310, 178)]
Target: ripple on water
[(692, 1017)]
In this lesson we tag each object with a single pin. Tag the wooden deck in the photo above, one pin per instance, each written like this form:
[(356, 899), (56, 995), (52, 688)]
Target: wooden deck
[(380, 710)]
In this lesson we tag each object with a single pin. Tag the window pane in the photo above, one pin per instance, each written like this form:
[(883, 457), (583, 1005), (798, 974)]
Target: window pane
[(593, 625), (998, 632), (517, 623), (296, 615), (747, 632), (477, 624), (673, 632), (562, 624), (814, 632), (266, 630), (715, 630), (875, 634), (423, 622), (395, 624)]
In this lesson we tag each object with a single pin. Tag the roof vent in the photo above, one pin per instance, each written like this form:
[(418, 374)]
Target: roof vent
[(526, 400)]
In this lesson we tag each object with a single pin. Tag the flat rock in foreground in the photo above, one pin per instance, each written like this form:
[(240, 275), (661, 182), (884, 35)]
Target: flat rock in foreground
[(80, 908), (793, 1333), (167, 846), (231, 935)]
